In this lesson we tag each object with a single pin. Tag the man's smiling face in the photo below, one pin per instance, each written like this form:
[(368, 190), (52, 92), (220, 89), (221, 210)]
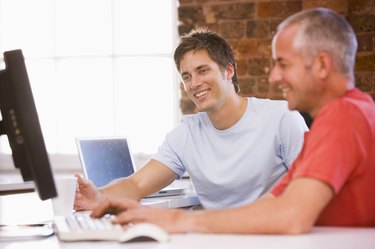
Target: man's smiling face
[(294, 75), (205, 82)]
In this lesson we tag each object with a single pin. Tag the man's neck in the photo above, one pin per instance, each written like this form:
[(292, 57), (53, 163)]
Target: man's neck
[(229, 114), (339, 87)]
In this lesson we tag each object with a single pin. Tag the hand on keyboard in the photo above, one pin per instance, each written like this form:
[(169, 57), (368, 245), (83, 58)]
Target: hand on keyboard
[(81, 226)]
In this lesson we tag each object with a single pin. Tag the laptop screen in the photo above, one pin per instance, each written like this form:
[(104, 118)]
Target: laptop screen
[(105, 159)]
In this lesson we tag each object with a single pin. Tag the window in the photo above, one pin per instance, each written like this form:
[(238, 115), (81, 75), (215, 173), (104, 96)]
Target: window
[(96, 68)]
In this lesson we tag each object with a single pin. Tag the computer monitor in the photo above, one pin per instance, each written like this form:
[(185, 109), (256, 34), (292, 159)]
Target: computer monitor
[(20, 123)]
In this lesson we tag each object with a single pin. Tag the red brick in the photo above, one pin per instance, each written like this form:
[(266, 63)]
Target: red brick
[(191, 14), (365, 63), (234, 11), (362, 23), (257, 29), (360, 7), (259, 66), (232, 29), (247, 87), (277, 9), (242, 67), (366, 42), (262, 85), (340, 6), (365, 81), (252, 48)]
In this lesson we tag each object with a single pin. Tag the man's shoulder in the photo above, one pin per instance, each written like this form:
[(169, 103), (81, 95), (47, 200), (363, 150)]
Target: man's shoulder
[(269, 105), (266, 101), (353, 103), (192, 122), (188, 124), (193, 118)]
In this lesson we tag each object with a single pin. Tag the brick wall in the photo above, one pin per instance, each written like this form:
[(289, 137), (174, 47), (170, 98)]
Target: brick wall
[(249, 26)]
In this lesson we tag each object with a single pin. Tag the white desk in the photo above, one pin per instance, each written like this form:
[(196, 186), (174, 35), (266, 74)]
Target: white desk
[(325, 238), (27, 208)]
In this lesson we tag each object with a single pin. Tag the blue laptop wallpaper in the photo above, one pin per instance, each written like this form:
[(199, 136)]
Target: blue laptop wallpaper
[(104, 160)]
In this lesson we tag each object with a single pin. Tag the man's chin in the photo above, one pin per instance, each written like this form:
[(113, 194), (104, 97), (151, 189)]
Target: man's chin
[(292, 106)]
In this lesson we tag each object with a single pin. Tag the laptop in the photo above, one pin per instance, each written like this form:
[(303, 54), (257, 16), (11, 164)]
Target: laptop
[(104, 159)]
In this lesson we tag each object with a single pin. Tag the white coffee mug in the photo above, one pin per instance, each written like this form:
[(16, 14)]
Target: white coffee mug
[(66, 188)]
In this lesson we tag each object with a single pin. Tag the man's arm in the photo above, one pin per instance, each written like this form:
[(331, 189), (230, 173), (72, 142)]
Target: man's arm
[(293, 212), (149, 179), (152, 177)]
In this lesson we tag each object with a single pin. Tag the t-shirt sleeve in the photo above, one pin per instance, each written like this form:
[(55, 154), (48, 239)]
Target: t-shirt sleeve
[(292, 128), (332, 148), (280, 187), (170, 153)]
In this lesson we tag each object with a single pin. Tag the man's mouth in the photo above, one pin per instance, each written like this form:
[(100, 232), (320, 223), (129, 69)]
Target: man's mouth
[(200, 94), (285, 91)]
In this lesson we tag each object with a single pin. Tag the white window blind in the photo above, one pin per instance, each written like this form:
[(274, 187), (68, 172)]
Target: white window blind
[(96, 68)]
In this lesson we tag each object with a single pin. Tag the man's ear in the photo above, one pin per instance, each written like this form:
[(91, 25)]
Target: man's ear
[(323, 65), (229, 71)]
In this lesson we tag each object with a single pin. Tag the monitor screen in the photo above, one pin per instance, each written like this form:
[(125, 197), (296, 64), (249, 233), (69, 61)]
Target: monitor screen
[(20, 123)]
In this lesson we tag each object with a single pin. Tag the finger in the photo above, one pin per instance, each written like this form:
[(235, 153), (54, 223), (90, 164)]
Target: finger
[(80, 180), (129, 203), (134, 216), (100, 209), (114, 206), (78, 201), (78, 175), (107, 206)]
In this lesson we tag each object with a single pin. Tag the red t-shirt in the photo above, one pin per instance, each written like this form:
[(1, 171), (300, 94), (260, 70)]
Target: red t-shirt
[(340, 151)]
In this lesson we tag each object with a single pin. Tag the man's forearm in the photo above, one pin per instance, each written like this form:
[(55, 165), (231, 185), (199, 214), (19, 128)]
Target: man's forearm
[(123, 187), (266, 216), (293, 212)]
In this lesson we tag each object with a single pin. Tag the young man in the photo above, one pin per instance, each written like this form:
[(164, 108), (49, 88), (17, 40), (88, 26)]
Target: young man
[(332, 180), (234, 149)]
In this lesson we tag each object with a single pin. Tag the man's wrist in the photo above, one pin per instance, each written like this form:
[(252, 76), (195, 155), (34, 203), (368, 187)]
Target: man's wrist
[(192, 221)]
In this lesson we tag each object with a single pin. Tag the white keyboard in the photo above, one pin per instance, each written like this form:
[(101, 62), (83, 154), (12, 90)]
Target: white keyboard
[(80, 226)]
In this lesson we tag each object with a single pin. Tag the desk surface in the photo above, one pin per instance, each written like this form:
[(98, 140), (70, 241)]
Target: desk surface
[(320, 237), (27, 208)]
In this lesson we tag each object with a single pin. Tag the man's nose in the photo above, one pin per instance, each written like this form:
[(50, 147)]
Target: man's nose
[(275, 76), (195, 81)]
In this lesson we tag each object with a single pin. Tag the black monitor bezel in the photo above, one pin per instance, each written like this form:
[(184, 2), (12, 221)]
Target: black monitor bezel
[(21, 125)]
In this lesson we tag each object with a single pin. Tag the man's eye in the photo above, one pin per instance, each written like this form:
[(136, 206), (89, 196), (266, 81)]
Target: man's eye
[(282, 64), (185, 77), (203, 71)]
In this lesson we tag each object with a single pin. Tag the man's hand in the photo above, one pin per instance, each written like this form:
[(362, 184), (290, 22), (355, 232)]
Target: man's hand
[(87, 195), (129, 211)]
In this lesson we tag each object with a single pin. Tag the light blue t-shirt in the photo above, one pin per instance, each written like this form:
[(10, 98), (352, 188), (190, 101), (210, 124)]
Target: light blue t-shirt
[(235, 166)]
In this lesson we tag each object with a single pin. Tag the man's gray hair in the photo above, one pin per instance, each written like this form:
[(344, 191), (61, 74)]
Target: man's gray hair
[(323, 30)]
